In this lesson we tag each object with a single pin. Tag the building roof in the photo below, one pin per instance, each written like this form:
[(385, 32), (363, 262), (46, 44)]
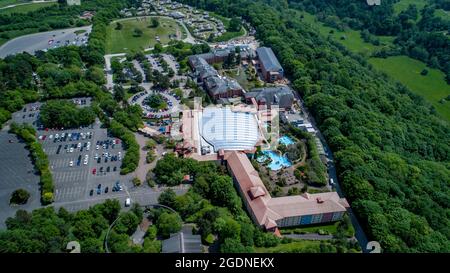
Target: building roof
[(217, 85), (281, 95), (225, 129), (182, 242), (267, 210), (268, 59)]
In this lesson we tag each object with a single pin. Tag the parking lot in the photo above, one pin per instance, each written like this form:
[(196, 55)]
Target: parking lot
[(76, 183), (81, 160), (46, 40)]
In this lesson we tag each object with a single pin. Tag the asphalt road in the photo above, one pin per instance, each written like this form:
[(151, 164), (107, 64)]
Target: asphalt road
[(40, 41)]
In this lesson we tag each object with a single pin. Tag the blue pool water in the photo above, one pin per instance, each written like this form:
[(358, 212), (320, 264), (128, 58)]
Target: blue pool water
[(277, 161), (285, 140)]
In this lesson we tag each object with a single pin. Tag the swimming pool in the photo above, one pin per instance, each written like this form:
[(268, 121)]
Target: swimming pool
[(285, 140), (277, 161)]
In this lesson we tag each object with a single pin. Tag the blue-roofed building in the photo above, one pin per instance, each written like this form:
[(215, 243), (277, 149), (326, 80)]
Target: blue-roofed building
[(269, 65)]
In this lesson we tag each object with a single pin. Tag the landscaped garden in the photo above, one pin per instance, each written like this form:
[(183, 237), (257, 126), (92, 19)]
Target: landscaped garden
[(156, 101)]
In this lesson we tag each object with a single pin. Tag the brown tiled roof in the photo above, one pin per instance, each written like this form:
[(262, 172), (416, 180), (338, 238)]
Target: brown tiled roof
[(267, 210)]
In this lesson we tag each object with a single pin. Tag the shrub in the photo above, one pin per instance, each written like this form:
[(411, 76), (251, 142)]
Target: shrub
[(19, 197), (136, 182), (209, 239)]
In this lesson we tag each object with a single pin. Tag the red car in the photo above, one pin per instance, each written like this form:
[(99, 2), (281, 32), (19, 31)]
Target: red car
[(94, 171)]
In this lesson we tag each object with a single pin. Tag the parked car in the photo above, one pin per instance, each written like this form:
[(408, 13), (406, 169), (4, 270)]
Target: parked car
[(91, 193)]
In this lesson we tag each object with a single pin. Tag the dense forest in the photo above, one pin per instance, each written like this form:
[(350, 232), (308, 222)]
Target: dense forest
[(419, 34), (392, 151)]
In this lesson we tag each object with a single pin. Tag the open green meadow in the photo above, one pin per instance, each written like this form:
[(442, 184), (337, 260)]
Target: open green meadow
[(407, 71), (403, 5), (125, 39), (350, 38), (26, 8), (445, 15)]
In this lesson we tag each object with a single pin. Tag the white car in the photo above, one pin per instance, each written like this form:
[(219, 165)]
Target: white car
[(71, 150), (127, 202), (97, 147), (79, 145), (96, 156), (85, 162), (50, 136), (63, 134), (71, 163), (57, 136), (69, 135)]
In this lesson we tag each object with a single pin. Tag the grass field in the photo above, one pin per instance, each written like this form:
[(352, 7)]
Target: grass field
[(124, 40), (407, 71), (442, 14), (403, 5), (352, 38), (432, 87), (329, 228), (25, 8), (296, 246)]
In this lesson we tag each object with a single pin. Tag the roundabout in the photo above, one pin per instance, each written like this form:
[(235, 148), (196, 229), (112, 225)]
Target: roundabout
[(157, 104)]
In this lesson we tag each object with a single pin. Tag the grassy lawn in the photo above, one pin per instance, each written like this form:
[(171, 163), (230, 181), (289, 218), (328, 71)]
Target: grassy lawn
[(25, 8), (403, 5), (329, 228), (240, 76), (407, 70), (350, 38), (432, 87), (445, 15), (124, 40), (295, 246), (81, 31)]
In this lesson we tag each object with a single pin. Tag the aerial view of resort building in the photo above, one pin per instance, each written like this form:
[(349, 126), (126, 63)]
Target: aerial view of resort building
[(244, 126)]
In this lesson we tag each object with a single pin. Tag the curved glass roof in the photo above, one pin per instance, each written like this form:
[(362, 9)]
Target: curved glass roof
[(228, 130)]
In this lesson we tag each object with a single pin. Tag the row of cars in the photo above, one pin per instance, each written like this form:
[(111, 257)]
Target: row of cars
[(108, 156), (70, 148), (116, 188), (85, 161), (103, 171), (63, 137), (137, 96), (80, 101)]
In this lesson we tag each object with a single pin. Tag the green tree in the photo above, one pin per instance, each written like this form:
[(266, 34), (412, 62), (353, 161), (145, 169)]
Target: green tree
[(19, 197), (167, 198), (168, 223)]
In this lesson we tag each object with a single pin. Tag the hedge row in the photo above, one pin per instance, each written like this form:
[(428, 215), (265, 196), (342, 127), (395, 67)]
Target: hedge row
[(131, 159)]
